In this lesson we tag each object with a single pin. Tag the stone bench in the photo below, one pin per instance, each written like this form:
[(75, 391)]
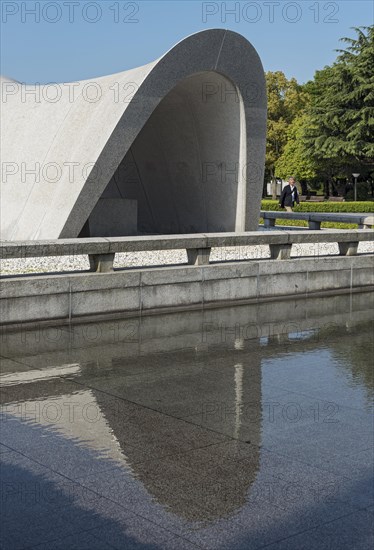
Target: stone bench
[(315, 198), (314, 219)]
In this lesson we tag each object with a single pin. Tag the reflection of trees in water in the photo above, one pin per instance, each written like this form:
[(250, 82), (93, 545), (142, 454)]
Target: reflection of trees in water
[(354, 353), (352, 347)]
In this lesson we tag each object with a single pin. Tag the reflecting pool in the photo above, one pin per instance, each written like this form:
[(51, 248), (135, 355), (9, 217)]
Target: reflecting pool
[(243, 427)]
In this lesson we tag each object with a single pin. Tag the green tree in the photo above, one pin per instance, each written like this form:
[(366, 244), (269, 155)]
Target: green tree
[(286, 100), (358, 118), (340, 128), (295, 159)]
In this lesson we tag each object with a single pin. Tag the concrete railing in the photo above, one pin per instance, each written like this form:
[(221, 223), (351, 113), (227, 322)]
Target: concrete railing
[(101, 251), (314, 219)]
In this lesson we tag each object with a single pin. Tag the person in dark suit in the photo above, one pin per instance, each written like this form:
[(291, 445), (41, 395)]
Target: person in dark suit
[(289, 196)]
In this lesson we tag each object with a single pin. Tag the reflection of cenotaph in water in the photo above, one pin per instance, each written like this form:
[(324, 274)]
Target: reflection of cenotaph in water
[(127, 434), (150, 385)]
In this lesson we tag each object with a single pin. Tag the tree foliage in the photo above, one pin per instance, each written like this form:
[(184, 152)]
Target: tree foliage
[(295, 159), (341, 122), (286, 99), (324, 130)]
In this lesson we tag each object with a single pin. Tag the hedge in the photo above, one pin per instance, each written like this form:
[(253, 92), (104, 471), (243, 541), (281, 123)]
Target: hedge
[(359, 206)]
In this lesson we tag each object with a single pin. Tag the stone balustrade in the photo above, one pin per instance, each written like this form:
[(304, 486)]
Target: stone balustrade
[(101, 251)]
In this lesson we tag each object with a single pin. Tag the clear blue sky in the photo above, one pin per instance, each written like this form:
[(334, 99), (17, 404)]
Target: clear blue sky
[(73, 42)]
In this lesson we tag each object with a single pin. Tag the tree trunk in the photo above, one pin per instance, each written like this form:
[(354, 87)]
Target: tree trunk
[(304, 187), (273, 187), (334, 187), (264, 189), (326, 190)]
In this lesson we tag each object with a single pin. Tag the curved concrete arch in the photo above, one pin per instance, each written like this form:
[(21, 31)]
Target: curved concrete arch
[(81, 144)]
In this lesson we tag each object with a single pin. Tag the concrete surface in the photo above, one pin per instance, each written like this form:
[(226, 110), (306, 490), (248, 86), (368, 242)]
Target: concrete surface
[(122, 214), (184, 136), (139, 291), (146, 335), (68, 247)]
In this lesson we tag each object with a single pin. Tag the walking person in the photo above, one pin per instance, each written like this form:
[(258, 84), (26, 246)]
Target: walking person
[(289, 196)]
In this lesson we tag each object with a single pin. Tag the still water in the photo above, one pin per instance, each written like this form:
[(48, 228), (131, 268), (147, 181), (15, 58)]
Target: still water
[(231, 428)]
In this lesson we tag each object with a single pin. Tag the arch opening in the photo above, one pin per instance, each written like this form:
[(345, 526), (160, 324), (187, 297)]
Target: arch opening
[(182, 173)]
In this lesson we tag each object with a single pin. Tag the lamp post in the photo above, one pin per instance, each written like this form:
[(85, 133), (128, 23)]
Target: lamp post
[(355, 191)]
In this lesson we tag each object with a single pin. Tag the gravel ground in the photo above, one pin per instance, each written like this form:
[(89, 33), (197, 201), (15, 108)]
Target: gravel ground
[(170, 257)]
